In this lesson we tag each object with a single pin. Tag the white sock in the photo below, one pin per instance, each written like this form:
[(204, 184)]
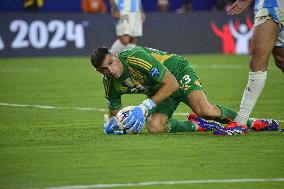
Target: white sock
[(117, 46), (256, 82)]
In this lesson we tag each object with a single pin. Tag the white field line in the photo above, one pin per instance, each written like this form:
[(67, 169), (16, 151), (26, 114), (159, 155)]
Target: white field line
[(52, 107), (79, 108), (165, 183)]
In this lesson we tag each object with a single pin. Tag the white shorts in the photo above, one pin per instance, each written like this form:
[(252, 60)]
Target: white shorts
[(130, 23), (277, 14)]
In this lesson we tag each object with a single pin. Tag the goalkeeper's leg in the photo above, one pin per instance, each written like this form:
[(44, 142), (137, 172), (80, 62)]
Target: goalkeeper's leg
[(161, 120), (181, 126), (200, 105), (159, 123), (228, 115)]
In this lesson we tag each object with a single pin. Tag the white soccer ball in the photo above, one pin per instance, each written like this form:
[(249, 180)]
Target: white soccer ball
[(121, 117)]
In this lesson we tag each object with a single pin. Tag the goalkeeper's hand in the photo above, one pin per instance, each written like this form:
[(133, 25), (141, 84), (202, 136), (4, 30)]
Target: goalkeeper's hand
[(136, 120), (110, 126)]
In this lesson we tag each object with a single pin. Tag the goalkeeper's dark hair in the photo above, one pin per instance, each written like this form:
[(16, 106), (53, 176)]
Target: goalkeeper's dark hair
[(98, 56)]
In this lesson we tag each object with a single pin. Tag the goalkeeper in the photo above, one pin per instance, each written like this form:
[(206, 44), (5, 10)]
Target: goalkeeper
[(167, 80)]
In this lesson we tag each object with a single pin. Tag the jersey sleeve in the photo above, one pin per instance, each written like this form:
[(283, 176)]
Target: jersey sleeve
[(112, 96), (147, 64)]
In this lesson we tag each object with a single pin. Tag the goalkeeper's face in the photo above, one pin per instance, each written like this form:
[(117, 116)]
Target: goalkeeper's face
[(111, 67)]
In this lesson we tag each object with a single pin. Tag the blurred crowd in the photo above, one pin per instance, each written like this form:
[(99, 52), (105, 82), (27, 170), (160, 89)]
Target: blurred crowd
[(102, 6), (196, 5)]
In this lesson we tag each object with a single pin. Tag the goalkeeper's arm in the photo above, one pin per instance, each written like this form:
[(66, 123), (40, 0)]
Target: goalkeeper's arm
[(168, 87), (138, 114)]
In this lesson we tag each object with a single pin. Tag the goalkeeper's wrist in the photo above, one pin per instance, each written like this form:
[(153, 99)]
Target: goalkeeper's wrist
[(147, 105)]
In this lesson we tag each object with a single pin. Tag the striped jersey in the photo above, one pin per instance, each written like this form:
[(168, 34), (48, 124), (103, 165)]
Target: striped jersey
[(128, 5), (268, 4)]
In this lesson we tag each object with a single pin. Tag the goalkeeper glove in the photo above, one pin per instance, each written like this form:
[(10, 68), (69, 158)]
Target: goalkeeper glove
[(110, 126), (136, 120)]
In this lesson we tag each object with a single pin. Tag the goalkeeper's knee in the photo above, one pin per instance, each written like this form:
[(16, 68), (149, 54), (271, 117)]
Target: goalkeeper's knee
[(157, 124)]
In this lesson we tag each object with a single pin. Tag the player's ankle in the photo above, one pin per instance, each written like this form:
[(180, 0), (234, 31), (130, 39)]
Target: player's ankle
[(241, 119)]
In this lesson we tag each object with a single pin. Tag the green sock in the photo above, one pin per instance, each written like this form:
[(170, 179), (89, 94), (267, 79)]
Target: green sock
[(227, 114), (181, 126)]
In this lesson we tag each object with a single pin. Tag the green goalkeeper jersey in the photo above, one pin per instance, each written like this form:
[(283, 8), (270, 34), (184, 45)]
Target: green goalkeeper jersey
[(144, 69)]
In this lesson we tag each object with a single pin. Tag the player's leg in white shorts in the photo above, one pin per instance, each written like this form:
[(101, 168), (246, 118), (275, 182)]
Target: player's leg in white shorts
[(276, 14), (278, 51)]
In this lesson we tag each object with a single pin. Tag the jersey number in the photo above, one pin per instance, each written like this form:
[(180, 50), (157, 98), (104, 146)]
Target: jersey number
[(184, 82)]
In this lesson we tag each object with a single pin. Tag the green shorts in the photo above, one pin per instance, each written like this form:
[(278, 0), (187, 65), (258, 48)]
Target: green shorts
[(188, 82)]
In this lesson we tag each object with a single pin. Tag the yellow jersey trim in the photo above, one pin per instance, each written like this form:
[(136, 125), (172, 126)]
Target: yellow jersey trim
[(139, 62)]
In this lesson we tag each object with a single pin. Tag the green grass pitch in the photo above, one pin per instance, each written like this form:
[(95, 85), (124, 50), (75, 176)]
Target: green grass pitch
[(65, 146)]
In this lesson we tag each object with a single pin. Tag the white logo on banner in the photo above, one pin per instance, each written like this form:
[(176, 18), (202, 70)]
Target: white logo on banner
[(242, 36), (54, 34), (2, 46)]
